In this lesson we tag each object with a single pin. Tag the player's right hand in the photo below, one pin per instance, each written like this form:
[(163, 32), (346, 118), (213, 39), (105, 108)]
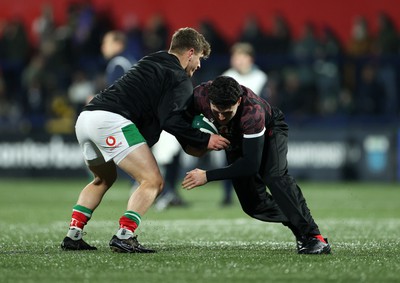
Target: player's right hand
[(217, 142), (194, 178)]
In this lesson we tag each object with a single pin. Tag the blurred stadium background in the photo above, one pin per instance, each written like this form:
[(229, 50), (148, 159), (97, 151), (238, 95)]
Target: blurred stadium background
[(333, 67)]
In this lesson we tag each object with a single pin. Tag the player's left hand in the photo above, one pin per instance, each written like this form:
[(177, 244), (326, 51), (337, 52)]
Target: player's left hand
[(194, 178), (217, 142)]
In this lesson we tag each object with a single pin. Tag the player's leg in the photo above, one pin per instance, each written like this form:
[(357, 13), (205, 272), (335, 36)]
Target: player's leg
[(287, 193), (255, 200), (104, 177), (283, 186), (141, 165), (104, 171), (104, 137), (89, 198), (259, 204)]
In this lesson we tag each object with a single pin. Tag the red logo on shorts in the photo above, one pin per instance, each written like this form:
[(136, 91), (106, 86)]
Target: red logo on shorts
[(110, 141)]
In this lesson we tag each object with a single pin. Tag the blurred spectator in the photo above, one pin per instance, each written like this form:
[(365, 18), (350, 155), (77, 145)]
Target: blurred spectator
[(327, 71), (296, 99), (272, 94), (90, 27), (253, 33), (50, 47), (305, 50), (82, 20), (280, 39), (14, 55), (35, 96), (345, 103), (387, 46), (215, 65), (81, 90), (134, 35), (370, 95), (213, 36), (155, 34), (361, 42), (358, 48), (327, 83), (306, 47), (119, 59), (62, 116), (244, 70), (3, 99), (387, 40), (329, 44), (43, 27), (10, 114)]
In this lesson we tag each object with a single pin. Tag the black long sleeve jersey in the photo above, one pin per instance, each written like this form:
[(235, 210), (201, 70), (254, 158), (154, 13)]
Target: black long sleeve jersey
[(247, 132), (154, 95)]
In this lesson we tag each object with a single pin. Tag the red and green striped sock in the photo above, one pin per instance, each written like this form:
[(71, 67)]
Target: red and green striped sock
[(80, 216), (129, 221)]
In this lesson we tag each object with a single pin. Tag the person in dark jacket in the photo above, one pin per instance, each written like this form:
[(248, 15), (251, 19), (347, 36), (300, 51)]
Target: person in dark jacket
[(256, 156), (120, 124), (119, 60)]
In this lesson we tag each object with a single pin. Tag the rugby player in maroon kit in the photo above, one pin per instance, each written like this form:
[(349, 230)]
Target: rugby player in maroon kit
[(256, 159)]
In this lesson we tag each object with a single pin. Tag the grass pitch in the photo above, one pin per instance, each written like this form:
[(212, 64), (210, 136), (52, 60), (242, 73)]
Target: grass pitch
[(200, 243)]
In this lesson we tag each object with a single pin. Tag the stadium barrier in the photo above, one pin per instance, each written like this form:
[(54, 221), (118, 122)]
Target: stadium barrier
[(351, 153)]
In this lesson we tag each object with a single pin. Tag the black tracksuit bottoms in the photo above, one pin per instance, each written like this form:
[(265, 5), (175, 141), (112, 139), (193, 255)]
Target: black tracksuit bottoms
[(284, 202)]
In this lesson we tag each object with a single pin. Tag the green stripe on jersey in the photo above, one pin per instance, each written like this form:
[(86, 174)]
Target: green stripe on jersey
[(134, 216), (132, 135)]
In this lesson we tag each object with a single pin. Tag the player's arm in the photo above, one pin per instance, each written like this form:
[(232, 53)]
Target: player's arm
[(173, 116), (246, 165), (216, 142), (194, 151), (178, 122)]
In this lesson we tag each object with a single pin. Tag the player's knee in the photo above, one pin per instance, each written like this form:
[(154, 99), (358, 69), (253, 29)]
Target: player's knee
[(106, 181), (104, 175), (159, 185), (273, 180), (154, 183), (280, 181)]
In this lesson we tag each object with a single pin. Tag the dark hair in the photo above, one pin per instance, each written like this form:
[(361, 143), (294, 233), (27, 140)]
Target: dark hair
[(118, 36), (224, 92), (186, 38)]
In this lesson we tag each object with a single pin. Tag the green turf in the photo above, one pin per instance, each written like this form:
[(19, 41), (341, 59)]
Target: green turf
[(200, 243)]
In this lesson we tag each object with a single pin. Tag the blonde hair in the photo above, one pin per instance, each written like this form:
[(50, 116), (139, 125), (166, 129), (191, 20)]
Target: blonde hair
[(244, 48)]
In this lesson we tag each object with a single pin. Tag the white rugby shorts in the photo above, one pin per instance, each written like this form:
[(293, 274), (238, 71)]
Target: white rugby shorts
[(105, 136)]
